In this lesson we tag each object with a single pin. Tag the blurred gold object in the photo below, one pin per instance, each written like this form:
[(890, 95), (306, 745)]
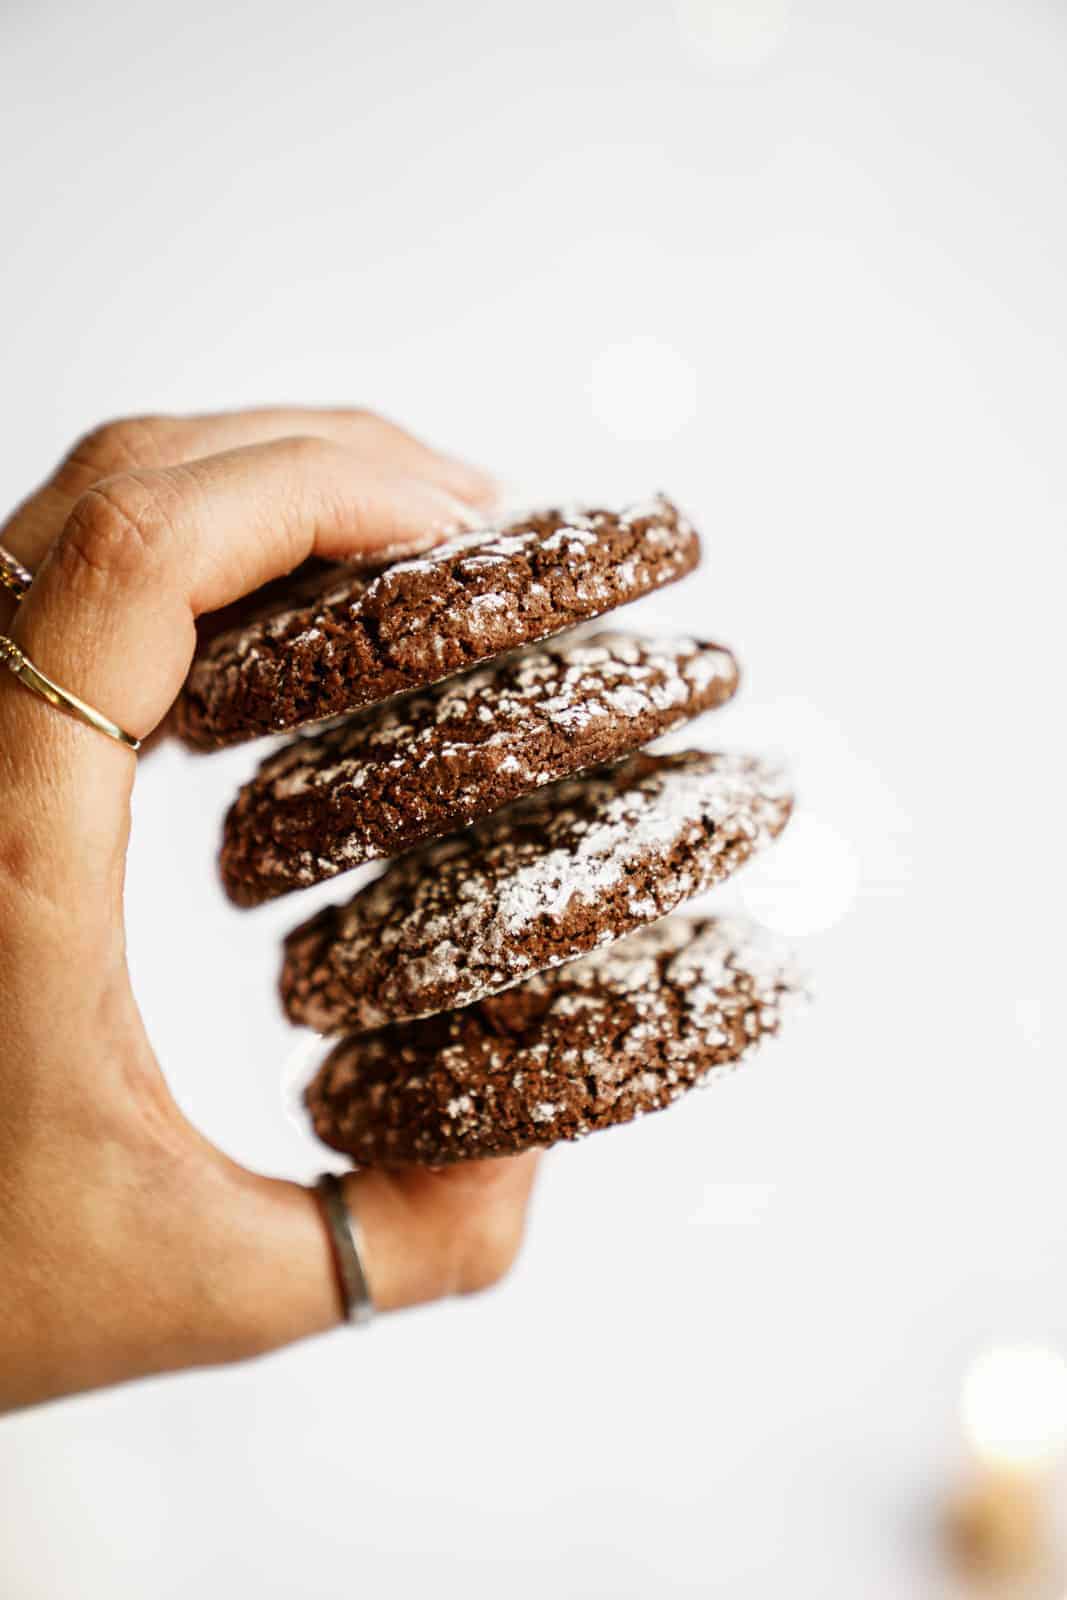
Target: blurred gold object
[(1001, 1530), (998, 1528)]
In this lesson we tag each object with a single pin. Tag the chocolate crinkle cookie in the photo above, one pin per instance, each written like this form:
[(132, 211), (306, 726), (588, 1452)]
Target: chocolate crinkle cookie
[(576, 865), (621, 1032), (352, 636), (432, 762)]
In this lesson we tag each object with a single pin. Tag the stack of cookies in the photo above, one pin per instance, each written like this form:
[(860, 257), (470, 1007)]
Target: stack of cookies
[(509, 979)]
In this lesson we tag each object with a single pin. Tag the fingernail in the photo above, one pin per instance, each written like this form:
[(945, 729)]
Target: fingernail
[(456, 516), (462, 517), (483, 486), (457, 519), (402, 549)]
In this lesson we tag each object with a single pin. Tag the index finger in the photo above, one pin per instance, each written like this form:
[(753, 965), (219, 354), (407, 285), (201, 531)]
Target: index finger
[(134, 444), (111, 614)]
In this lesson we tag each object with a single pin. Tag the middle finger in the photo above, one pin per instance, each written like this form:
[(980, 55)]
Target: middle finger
[(140, 443)]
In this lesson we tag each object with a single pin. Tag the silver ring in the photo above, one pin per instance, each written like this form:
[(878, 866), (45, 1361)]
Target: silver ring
[(344, 1240)]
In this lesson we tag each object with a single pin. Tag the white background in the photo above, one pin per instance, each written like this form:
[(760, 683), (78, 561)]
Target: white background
[(806, 272)]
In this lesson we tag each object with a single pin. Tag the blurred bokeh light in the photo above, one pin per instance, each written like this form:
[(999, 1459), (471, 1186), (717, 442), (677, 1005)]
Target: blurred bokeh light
[(642, 390), (806, 883), (734, 33), (1014, 1407)]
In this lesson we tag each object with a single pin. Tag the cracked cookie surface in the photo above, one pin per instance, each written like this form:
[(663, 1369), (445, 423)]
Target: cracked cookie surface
[(621, 1032), (576, 865), (432, 762), (353, 636)]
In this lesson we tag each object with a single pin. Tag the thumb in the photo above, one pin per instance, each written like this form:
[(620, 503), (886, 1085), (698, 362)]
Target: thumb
[(425, 1235)]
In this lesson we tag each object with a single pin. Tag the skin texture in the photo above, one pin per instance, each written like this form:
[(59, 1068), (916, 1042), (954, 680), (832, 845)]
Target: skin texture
[(128, 1243)]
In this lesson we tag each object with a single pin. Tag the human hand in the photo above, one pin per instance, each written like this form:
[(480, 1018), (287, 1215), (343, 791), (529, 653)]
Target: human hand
[(128, 1243)]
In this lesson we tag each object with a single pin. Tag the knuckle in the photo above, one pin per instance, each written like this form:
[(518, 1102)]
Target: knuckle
[(19, 861), (373, 431), (311, 450), (369, 421), (111, 447), (117, 529)]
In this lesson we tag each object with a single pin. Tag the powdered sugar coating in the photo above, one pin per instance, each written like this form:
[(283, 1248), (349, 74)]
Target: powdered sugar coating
[(352, 636), (575, 866), (600, 1041), (434, 761)]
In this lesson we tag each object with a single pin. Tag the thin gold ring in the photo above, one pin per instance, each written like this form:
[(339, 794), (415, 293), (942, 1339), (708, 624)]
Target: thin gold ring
[(18, 662), (13, 575)]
